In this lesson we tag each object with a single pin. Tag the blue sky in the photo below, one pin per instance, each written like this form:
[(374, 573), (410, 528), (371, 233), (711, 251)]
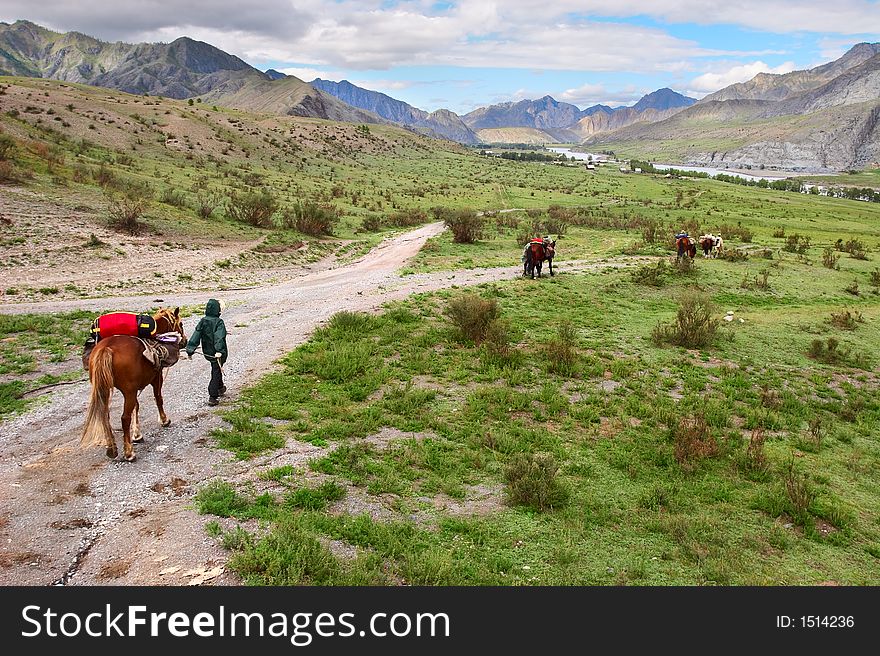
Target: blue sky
[(463, 54)]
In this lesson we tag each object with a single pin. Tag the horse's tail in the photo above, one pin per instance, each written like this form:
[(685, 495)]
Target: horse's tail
[(97, 431)]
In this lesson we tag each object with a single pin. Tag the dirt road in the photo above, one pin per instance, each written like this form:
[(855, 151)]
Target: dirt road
[(70, 516)]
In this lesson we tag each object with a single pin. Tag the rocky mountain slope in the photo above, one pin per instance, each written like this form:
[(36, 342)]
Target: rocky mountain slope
[(184, 68), (441, 123), (822, 119), (566, 122)]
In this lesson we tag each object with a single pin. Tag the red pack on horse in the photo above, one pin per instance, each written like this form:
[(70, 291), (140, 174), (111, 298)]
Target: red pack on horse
[(128, 363)]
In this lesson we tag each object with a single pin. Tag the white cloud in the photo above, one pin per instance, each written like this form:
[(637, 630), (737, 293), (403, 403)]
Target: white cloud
[(387, 85), (309, 74), (596, 94), (713, 81), (779, 16)]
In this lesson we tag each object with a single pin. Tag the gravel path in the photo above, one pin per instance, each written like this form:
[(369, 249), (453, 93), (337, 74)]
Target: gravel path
[(70, 516)]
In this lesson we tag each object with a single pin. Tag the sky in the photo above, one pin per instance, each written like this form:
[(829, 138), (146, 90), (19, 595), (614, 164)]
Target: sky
[(465, 54)]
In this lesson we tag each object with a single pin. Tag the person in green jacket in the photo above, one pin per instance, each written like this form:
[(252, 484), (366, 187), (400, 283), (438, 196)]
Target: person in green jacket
[(210, 334)]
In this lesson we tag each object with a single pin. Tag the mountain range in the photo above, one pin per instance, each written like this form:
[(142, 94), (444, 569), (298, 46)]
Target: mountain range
[(824, 118)]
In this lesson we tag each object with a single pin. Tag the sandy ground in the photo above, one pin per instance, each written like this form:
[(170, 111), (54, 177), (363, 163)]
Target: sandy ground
[(70, 516)]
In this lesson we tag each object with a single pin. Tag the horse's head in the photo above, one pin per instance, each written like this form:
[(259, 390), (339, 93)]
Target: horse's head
[(169, 321)]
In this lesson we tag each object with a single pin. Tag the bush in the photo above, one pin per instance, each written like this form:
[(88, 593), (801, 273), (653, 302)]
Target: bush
[(255, 208), (205, 202), (310, 218), (7, 147), (875, 278), (756, 461), (653, 276), (796, 244), (846, 320), (853, 288), (734, 255), (371, 223), (693, 441), (856, 248), (829, 259), (558, 219), (685, 266), (799, 492), (497, 339), (560, 352), (408, 218), (466, 225), (173, 197), (532, 481), (472, 315), (8, 172), (830, 351), (694, 324), (126, 204)]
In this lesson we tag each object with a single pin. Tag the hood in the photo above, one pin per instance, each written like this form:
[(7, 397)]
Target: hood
[(212, 309)]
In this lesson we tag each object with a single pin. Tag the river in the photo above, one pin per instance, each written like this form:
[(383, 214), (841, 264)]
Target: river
[(699, 169)]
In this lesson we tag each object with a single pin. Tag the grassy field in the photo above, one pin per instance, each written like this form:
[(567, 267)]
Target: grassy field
[(571, 443), (571, 448)]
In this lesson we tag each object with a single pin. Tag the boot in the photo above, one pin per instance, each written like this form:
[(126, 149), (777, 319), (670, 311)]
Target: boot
[(213, 400)]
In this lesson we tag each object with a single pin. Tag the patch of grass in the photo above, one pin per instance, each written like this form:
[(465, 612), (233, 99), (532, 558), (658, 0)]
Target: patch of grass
[(315, 498)]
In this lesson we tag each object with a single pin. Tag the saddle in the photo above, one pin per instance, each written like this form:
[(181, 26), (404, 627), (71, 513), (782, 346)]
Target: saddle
[(163, 351)]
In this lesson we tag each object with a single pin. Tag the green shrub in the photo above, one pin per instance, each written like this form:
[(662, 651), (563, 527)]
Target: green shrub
[(653, 276), (692, 441), (466, 225), (472, 315), (255, 208), (532, 481), (694, 325), (310, 218), (126, 203), (560, 353)]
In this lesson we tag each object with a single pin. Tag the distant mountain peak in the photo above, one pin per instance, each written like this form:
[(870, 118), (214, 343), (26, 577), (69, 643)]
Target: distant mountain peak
[(272, 74), (663, 99)]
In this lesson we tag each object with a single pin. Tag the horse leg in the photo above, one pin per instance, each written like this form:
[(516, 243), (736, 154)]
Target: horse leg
[(127, 410), (157, 394), (136, 436), (550, 264)]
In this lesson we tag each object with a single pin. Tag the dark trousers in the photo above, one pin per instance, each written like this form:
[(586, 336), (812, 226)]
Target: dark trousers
[(216, 379)]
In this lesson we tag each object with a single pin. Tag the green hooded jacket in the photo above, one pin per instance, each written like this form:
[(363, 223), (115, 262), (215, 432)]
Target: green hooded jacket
[(210, 333)]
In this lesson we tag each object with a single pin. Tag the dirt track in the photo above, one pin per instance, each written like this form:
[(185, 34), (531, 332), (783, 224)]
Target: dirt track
[(71, 516)]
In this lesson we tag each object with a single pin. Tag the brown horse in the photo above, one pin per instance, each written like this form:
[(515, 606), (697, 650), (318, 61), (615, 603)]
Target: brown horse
[(685, 246), (538, 253), (118, 362)]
